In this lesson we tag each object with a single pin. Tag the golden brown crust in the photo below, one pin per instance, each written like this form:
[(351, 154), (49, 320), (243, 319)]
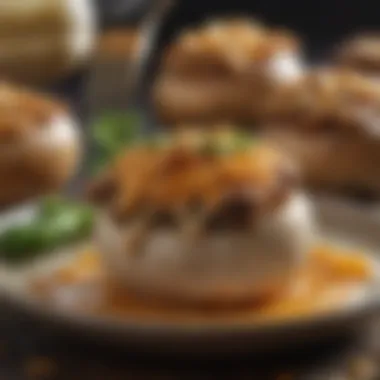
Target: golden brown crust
[(37, 18), (361, 53), (330, 126), (23, 112), (332, 163), (30, 173), (39, 148), (219, 72), (333, 100), (226, 46), (214, 100)]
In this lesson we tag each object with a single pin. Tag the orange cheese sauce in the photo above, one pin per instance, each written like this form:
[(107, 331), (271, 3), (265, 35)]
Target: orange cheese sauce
[(329, 278), (180, 173)]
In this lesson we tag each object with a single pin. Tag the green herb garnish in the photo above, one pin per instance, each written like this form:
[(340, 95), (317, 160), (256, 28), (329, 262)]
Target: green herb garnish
[(58, 222), (112, 132), (224, 145)]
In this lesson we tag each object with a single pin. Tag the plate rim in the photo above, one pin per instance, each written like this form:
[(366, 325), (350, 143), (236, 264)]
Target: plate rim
[(369, 303)]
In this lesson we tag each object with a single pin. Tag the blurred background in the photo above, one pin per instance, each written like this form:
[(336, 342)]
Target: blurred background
[(95, 83), (322, 25)]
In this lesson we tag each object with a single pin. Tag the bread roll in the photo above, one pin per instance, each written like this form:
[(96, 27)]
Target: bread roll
[(42, 40), (330, 125), (361, 53), (39, 145), (224, 71), (214, 220)]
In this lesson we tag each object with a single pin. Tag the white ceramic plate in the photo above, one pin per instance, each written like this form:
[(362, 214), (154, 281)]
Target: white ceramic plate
[(348, 225)]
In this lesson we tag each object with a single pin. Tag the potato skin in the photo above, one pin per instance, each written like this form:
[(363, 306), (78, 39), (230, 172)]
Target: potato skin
[(30, 168), (360, 53), (41, 41), (331, 162)]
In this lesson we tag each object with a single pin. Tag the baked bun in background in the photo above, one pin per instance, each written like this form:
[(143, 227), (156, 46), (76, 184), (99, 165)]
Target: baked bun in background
[(223, 70), (43, 40), (212, 218), (39, 145), (330, 125), (361, 53)]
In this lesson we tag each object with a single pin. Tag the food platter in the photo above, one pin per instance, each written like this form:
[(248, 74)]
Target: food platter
[(342, 223), (266, 256)]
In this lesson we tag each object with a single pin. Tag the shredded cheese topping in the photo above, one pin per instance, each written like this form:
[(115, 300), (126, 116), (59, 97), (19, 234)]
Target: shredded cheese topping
[(195, 168)]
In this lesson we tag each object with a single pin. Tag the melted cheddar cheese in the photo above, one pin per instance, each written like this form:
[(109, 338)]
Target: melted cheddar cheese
[(196, 168), (329, 277)]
